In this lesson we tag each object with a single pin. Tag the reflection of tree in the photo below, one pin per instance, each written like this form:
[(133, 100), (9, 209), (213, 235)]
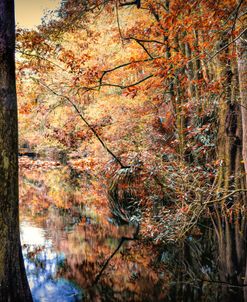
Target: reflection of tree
[(127, 277), (86, 248), (46, 182), (134, 273), (194, 270), (121, 242), (79, 230)]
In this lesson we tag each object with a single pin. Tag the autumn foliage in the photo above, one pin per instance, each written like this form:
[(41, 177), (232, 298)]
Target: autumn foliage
[(151, 93)]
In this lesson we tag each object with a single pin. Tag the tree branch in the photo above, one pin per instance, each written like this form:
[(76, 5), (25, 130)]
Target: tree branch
[(124, 65), (40, 57), (144, 41), (84, 120), (127, 86), (236, 15), (136, 2), (144, 48), (227, 45), (97, 87), (224, 197)]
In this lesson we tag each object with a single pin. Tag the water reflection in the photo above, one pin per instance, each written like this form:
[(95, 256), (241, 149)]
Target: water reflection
[(42, 265), (67, 236)]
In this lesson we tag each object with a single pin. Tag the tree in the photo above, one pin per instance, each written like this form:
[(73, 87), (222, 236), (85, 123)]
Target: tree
[(241, 44), (179, 63), (242, 65), (13, 281)]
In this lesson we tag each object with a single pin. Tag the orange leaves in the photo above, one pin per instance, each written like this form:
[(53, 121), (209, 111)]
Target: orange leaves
[(91, 75), (130, 92), (83, 164), (81, 135), (25, 108), (73, 62), (164, 120)]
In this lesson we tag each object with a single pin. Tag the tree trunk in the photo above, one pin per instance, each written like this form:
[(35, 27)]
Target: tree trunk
[(241, 45), (242, 72), (229, 216), (13, 282)]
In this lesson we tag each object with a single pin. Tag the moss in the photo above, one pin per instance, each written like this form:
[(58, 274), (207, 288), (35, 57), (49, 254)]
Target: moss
[(5, 162)]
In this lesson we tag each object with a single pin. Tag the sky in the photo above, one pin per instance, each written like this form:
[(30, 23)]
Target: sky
[(29, 12)]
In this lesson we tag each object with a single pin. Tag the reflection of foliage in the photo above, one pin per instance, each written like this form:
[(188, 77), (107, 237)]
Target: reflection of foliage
[(123, 199), (86, 240), (192, 265)]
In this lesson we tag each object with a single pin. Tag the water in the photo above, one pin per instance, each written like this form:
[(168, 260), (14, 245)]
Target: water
[(68, 235)]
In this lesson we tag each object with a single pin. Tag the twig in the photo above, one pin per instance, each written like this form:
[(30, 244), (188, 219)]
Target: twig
[(118, 23), (40, 57), (224, 197), (124, 65), (127, 86), (144, 48), (223, 282), (236, 14), (226, 46), (144, 41)]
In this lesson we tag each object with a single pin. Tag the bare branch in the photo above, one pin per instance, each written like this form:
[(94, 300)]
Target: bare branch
[(225, 197), (144, 48), (127, 86), (124, 65), (144, 41)]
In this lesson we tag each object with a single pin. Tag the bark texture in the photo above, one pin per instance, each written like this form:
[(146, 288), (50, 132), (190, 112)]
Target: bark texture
[(241, 45), (13, 282), (242, 72)]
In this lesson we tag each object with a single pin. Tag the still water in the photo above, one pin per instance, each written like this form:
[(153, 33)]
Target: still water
[(74, 251), (68, 235)]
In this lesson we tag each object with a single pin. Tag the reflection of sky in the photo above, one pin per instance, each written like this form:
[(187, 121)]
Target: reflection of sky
[(42, 264), (32, 235)]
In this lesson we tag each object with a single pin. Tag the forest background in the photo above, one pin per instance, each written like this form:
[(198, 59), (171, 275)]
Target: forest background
[(147, 100)]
